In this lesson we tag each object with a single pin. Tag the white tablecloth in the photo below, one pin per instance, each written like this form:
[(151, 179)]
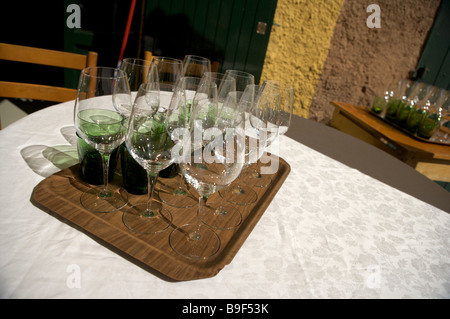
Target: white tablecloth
[(330, 232)]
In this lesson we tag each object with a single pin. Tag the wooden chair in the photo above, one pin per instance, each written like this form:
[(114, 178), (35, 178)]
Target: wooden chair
[(53, 58), (215, 66), (148, 56)]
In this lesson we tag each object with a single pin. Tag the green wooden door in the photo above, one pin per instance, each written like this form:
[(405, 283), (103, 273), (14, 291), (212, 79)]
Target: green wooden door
[(434, 64), (234, 33)]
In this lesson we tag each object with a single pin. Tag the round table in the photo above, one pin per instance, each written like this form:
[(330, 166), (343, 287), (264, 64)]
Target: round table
[(332, 231)]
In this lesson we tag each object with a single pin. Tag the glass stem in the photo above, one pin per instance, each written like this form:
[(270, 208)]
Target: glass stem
[(151, 180), (105, 165), (180, 185), (201, 205)]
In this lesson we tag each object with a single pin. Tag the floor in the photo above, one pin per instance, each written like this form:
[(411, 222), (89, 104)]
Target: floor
[(10, 113), (12, 110)]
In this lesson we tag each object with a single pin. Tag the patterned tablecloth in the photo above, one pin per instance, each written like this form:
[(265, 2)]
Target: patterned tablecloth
[(330, 232)]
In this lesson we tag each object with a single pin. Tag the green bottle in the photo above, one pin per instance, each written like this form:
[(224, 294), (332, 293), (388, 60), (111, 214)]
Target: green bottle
[(91, 166), (169, 172), (134, 176)]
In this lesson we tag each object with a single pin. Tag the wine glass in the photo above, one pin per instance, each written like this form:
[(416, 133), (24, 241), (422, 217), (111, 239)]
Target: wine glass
[(214, 161), (195, 66), (414, 99), (381, 98), (397, 96), (239, 192), (242, 79), (265, 100), (100, 125), (136, 71), (192, 70), (214, 87), (279, 109), (134, 176), (150, 144), (422, 99), (445, 122), (274, 108), (218, 214), (435, 115), (165, 70), (178, 195)]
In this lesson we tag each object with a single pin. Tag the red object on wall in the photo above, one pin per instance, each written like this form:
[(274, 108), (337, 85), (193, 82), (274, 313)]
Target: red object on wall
[(127, 29)]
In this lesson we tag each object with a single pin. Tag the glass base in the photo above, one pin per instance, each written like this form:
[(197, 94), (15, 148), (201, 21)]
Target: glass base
[(194, 242), (97, 200), (239, 193), (139, 219), (254, 178), (177, 197), (220, 215)]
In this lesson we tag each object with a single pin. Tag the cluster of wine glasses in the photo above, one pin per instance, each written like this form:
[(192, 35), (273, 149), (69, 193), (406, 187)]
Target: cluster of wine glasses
[(415, 106), (177, 113)]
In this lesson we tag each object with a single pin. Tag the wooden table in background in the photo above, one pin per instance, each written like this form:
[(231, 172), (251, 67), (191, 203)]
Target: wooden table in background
[(432, 160)]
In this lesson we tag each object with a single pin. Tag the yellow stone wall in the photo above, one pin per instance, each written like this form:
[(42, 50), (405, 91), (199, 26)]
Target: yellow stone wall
[(299, 44)]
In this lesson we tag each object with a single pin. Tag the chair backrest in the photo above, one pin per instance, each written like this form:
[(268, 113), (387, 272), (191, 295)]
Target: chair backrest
[(54, 58), (148, 56)]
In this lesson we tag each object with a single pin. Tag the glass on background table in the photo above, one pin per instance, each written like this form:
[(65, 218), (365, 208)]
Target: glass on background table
[(430, 159), (336, 228)]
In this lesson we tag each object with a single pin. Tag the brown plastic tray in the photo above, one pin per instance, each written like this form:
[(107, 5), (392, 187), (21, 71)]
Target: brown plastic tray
[(59, 195)]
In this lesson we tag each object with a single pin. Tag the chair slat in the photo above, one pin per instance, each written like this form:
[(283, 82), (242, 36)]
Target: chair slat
[(36, 92), (20, 53)]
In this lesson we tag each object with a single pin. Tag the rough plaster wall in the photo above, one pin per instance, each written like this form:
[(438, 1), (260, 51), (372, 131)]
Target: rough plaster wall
[(363, 61), (298, 46)]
